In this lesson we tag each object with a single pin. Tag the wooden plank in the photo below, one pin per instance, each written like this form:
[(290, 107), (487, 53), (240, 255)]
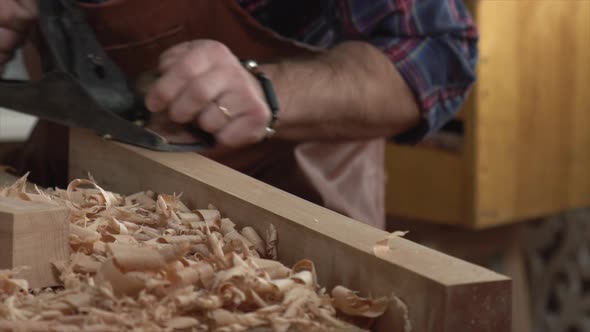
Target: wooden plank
[(532, 128), (35, 235), (426, 184), (499, 247), (441, 292)]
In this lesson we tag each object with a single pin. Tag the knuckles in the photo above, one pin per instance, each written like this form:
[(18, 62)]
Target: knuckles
[(189, 65), (204, 54), (200, 91), (28, 16), (14, 18), (214, 49)]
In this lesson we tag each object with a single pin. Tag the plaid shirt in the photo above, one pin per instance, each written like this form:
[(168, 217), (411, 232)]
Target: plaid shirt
[(433, 43)]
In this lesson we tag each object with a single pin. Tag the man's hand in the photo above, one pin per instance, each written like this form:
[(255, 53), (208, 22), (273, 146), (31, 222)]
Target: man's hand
[(204, 84), (16, 17)]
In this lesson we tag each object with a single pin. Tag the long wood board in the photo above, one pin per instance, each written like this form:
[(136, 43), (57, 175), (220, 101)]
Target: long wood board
[(442, 293)]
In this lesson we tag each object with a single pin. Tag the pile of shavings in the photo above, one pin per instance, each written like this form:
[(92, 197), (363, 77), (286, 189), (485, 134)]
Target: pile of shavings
[(146, 262)]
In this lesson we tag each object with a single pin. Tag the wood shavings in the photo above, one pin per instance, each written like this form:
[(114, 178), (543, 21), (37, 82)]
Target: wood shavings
[(384, 246), (350, 303), (252, 236), (275, 270), (182, 323), (147, 262), (11, 286), (271, 242)]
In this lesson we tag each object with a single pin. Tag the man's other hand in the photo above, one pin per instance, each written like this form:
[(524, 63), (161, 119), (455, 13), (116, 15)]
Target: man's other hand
[(204, 84), (16, 17)]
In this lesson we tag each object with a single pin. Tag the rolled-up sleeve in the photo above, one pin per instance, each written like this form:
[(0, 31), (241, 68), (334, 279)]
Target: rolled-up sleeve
[(432, 43)]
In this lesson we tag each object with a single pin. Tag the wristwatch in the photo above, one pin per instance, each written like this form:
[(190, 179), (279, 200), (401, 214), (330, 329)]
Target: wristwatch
[(269, 94)]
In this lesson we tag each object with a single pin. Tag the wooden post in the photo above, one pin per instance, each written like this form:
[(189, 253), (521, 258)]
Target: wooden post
[(33, 234)]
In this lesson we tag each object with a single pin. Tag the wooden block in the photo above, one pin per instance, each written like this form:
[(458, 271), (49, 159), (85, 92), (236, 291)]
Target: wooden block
[(442, 293), (35, 235)]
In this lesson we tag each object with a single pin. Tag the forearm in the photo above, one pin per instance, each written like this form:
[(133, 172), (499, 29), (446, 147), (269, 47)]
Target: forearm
[(352, 91)]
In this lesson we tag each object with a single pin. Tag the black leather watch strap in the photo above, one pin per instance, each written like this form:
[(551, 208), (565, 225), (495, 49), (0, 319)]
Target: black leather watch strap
[(267, 88)]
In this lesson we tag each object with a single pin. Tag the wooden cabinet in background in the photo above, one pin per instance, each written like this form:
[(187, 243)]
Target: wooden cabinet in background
[(525, 148)]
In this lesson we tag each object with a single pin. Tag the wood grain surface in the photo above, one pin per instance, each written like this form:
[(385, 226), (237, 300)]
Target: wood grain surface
[(441, 292), (35, 235)]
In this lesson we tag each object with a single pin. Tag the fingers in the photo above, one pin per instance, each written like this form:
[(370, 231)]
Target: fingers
[(165, 91), (9, 39), (197, 94), (246, 129), (9, 42), (204, 84), (29, 7), (17, 15), (171, 56), (180, 64), (15, 19), (213, 119)]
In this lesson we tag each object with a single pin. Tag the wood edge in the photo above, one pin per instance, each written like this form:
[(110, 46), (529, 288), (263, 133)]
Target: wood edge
[(36, 207), (483, 307)]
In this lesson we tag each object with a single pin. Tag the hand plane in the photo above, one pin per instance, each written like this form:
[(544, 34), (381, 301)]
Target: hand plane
[(82, 87)]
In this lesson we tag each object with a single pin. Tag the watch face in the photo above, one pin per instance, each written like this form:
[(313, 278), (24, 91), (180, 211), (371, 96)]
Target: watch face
[(251, 65)]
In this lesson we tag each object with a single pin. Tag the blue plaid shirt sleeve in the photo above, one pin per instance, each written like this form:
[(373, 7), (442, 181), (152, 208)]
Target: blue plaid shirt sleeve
[(433, 44)]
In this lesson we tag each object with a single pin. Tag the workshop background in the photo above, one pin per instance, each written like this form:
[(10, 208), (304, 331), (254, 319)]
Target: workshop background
[(507, 183)]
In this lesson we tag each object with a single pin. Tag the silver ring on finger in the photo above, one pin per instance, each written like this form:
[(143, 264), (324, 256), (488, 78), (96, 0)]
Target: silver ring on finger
[(225, 111)]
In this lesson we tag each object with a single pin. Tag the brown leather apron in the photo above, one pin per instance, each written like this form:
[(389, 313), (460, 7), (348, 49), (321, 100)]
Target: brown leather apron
[(345, 177)]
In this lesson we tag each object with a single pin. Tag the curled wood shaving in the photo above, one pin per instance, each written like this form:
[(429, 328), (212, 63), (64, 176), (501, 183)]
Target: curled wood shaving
[(11, 286), (350, 303), (271, 242), (147, 262), (384, 246), (252, 236)]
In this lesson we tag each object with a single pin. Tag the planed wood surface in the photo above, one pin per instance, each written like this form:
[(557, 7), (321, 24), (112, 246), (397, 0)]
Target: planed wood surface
[(441, 292), (35, 235), (526, 150)]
